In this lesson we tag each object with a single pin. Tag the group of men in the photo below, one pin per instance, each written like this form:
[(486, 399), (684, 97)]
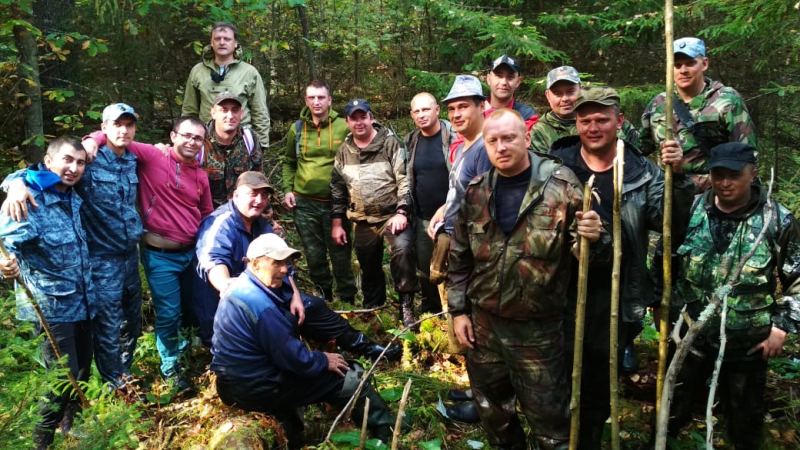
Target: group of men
[(497, 190)]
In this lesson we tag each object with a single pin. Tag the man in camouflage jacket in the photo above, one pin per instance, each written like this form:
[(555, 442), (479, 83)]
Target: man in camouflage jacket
[(369, 186), (724, 225), (563, 86), (509, 270), (718, 113)]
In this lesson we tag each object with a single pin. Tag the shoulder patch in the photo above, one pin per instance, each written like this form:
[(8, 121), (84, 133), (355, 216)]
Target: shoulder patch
[(563, 173)]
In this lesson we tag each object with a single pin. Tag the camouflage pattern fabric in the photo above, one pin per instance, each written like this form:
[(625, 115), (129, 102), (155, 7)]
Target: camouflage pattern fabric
[(224, 163), (523, 275), (551, 128), (369, 184), (720, 116), (753, 309), (520, 360)]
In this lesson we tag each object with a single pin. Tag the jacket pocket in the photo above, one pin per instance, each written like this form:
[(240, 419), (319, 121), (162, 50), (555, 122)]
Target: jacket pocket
[(63, 247)]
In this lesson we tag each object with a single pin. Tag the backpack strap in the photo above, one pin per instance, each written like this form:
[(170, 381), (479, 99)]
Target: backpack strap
[(249, 142), (297, 127)]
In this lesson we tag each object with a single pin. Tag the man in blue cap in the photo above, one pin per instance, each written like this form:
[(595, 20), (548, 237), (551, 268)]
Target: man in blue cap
[(369, 187), (707, 113)]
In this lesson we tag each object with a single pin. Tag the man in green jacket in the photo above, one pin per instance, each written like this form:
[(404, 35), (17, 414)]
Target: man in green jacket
[(307, 162), (223, 71), (563, 86)]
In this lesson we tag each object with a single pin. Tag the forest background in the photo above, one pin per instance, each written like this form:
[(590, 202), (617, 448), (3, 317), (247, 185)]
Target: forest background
[(62, 61)]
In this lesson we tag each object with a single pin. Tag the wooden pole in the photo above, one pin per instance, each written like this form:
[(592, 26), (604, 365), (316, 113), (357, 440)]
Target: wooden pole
[(400, 410), (613, 324), (56, 350), (364, 425), (580, 321), (666, 294)]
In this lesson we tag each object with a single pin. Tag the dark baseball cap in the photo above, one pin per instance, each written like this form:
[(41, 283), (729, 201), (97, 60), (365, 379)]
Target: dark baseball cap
[(507, 60), (600, 95), (358, 104), (732, 155), (254, 180), (226, 96)]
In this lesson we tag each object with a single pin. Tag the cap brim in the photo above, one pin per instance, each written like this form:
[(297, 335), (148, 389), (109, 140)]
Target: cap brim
[(133, 116), (728, 164), (516, 70), (259, 186), (358, 108), (597, 102), (283, 254), (687, 54)]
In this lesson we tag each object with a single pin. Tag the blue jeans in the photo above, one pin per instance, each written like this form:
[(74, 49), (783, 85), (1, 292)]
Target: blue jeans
[(169, 276), (118, 321)]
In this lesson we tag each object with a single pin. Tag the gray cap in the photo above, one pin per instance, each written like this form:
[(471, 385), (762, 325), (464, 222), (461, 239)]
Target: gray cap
[(226, 96), (465, 86), (271, 246), (566, 73), (115, 111)]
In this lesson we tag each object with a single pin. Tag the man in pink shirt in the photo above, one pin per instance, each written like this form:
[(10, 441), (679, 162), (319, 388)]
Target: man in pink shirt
[(174, 196)]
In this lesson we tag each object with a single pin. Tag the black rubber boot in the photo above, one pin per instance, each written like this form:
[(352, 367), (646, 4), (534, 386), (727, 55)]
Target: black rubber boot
[(72, 408), (407, 309), (465, 412), (359, 344), (42, 438), (460, 396)]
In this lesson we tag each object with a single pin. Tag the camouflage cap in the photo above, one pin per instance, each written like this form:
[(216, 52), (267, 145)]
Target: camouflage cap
[(689, 46), (271, 246), (600, 95), (115, 111), (465, 86), (565, 73), (226, 96), (732, 155)]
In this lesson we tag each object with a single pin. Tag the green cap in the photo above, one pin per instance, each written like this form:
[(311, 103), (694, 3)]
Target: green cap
[(601, 95)]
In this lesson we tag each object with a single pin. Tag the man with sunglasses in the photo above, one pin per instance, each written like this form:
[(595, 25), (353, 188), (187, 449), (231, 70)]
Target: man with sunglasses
[(222, 70)]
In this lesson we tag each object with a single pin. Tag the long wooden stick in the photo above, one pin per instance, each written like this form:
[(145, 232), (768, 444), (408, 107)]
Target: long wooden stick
[(398, 425), (613, 322), (364, 425), (56, 349), (580, 322), (666, 231)]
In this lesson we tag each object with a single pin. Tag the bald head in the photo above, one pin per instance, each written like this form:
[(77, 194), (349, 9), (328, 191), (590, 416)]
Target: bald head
[(425, 113)]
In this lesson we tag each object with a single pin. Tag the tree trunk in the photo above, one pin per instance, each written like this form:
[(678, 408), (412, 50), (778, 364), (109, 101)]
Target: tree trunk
[(31, 102), (312, 67)]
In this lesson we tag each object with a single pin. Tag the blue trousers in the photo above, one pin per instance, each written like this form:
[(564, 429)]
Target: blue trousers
[(169, 276), (118, 322)]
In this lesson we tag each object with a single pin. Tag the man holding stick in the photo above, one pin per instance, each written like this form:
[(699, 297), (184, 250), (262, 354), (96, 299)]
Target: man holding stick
[(592, 152), (514, 330), (723, 227)]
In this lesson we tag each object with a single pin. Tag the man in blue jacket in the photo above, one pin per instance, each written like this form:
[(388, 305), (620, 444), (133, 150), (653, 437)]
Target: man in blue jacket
[(223, 239), (262, 365)]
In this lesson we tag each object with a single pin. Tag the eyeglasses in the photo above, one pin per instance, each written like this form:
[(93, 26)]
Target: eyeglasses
[(191, 137)]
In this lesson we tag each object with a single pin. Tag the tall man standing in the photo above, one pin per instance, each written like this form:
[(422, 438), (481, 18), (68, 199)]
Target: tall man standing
[(563, 87), (307, 162), (428, 171), (517, 224), (54, 262), (592, 152), (369, 186), (223, 71), (707, 113)]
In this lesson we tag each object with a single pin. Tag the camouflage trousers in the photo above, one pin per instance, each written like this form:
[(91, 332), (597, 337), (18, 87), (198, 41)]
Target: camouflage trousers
[(520, 360), (312, 219)]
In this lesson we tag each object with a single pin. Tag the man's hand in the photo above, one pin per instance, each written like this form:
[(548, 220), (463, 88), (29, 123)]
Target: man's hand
[(163, 148), (397, 223), (462, 325), (289, 201), (337, 233), (296, 304), (772, 346), (91, 148), (9, 267), (16, 204), (672, 154), (589, 225), (337, 364), (277, 228), (437, 218)]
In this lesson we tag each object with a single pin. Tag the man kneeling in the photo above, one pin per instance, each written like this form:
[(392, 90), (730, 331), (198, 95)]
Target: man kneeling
[(262, 365)]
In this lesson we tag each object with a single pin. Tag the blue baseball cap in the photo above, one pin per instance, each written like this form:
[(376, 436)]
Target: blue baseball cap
[(689, 46), (117, 110), (357, 105)]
